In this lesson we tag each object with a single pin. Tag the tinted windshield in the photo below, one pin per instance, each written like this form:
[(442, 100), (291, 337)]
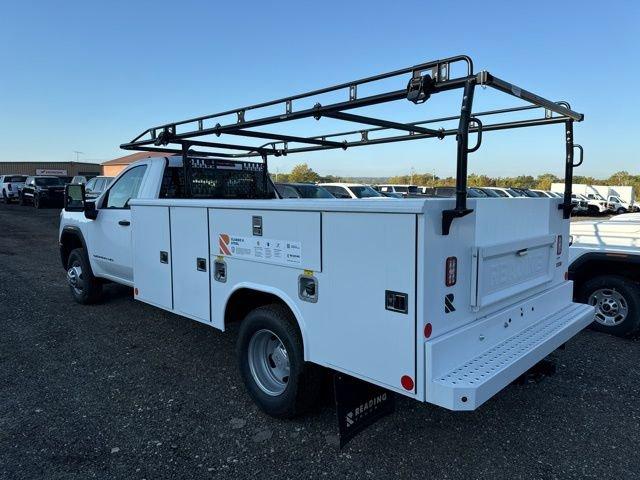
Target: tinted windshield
[(48, 182), (490, 193), (364, 191), (312, 191), (15, 178), (514, 193)]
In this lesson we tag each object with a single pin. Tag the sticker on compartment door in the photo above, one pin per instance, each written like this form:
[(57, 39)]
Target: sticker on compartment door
[(265, 249)]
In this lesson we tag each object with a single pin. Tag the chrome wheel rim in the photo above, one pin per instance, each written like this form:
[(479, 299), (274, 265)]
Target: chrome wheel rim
[(269, 362), (74, 277), (611, 307)]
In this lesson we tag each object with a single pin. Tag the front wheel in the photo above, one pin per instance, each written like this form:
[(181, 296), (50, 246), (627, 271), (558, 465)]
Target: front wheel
[(84, 287), (37, 202), (271, 361), (621, 211), (617, 303)]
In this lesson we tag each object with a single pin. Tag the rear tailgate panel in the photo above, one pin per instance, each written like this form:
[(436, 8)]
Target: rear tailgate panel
[(507, 269)]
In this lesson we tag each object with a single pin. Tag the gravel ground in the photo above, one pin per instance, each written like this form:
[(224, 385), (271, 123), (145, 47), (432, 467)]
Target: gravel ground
[(125, 390)]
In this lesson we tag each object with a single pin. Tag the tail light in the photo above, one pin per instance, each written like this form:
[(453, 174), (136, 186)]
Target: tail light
[(559, 245), (451, 271)]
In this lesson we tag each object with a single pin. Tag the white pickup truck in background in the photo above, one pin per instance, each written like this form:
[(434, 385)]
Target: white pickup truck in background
[(443, 300), (605, 266)]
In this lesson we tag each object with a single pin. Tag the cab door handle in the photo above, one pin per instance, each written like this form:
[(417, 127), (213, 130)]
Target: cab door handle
[(124, 223)]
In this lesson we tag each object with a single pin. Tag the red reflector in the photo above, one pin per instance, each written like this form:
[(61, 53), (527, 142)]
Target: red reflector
[(428, 330), (559, 245), (451, 271), (135, 291), (407, 382)]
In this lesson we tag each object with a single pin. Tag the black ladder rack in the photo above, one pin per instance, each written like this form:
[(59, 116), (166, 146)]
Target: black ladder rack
[(199, 136)]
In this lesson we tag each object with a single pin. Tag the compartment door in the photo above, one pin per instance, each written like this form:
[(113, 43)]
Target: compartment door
[(368, 291), (151, 255), (190, 248)]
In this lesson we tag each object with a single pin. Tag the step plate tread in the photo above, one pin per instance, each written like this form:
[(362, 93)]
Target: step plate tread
[(483, 367)]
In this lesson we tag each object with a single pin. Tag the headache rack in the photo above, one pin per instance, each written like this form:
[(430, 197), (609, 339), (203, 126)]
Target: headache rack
[(199, 136)]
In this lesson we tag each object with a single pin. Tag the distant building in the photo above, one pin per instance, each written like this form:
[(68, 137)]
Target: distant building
[(113, 167), (62, 169)]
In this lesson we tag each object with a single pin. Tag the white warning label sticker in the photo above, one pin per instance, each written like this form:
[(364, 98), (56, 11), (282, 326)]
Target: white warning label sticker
[(284, 252)]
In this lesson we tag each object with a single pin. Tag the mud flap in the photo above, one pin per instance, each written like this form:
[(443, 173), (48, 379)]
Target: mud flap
[(358, 405)]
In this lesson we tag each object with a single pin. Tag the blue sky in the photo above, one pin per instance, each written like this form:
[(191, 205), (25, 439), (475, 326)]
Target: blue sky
[(88, 76)]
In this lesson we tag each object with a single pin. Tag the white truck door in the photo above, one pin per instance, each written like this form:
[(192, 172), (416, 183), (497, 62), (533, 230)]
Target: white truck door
[(111, 238), (190, 262)]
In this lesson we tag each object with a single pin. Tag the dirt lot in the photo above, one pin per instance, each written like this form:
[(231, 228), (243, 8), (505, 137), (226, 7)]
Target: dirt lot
[(124, 390)]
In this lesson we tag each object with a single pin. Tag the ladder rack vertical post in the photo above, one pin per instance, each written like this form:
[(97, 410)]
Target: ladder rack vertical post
[(463, 145), (568, 170)]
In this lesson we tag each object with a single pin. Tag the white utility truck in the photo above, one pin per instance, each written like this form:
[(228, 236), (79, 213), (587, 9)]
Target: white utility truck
[(445, 301), (604, 262), (602, 198)]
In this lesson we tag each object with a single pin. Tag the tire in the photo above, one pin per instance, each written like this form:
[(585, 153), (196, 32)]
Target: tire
[(5, 199), (85, 288), (621, 211), (617, 302), (279, 392), (37, 203)]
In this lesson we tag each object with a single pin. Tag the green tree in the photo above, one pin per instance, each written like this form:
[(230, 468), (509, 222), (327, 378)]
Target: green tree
[(544, 181), (302, 173)]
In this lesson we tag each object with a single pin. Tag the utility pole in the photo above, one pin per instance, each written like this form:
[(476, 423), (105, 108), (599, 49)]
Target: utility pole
[(413, 171), (78, 154)]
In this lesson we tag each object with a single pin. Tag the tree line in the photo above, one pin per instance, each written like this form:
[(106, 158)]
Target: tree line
[(303, 173)]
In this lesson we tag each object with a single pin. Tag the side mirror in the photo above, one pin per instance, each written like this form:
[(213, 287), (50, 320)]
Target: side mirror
[(74, 198), (75, 201)]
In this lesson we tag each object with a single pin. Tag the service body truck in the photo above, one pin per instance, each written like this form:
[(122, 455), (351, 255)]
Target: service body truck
[(442, 300)]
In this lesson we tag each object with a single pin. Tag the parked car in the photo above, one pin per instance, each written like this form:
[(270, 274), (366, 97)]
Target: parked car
[(472, 192), (352, 190), (619, 205), (489, 192), (403, 190), (302, 190), (96, 186), (392, 194), (504, 192), (41, 190), (546, 193), (79, 180), (580, 205), (10, 186), (604, 264)]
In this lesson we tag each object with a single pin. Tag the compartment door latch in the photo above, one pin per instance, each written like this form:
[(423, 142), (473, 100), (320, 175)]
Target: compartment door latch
[(396, 301)]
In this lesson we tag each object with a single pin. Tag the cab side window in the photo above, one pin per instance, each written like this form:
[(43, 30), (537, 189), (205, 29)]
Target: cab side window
[(126, 188), (338, 192)]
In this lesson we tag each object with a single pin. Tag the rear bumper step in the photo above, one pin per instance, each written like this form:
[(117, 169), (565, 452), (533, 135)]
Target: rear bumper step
[(471, 383)]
